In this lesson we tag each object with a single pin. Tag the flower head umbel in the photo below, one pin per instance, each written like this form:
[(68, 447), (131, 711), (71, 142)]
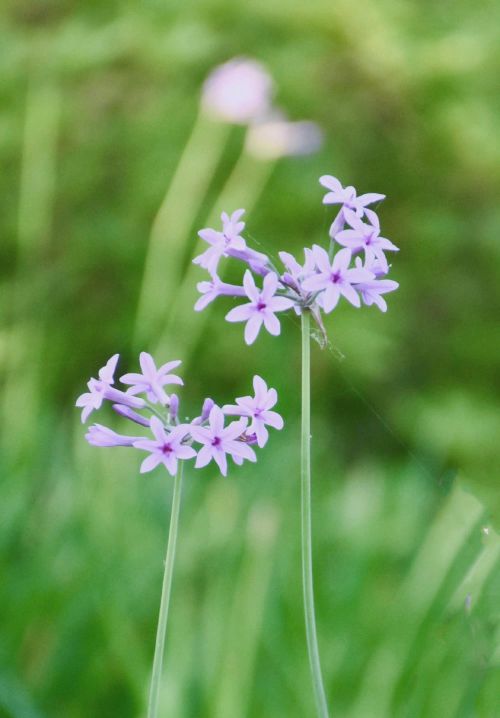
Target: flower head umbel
[(262, 307), (327, 275), (169, 440)]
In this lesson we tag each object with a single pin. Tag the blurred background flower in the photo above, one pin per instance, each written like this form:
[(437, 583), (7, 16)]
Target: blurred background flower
[(109, 169)]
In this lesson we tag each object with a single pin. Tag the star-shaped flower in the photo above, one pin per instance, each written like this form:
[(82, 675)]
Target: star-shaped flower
[(335, 279), (165, 448), (152, 380), (222, 242), (102, 388), (366, 237), (258, 409), (262, 307), (347, 198), (218, 441)]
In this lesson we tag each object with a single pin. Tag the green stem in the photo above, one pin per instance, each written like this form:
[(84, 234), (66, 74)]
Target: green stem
[(154, 691), (307, 572)]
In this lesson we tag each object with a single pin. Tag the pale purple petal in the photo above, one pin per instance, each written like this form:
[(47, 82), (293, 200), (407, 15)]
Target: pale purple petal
[(204, 457), (330, 297), (157, 429), (170, 462), (369, 198), (221, 460), (107, 372), (147, 365), (273, 419), (185, 452), (241, 313), (321, 258), (166, 368), (271, 323), (216, 419), (341, 260), (279, 304), (250, 287), (350, 294), (260, 388), (150, 462), (261, 432), (270, 286), (239, 448), (235, 429), (252, 328)]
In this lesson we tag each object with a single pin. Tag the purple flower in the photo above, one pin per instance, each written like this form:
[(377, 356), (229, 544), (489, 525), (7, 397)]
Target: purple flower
[(165, 448), (213, 289), (238, 91), (101, 389), (218, 441), (152, 380), (366, 237), (261, 308), (229, 243), (345, 196), (335, 278), (371, 291), (257, 409), (99, 435), (222, 242)]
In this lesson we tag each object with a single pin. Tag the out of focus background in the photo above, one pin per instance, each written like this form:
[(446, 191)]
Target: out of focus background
[(108, 169)]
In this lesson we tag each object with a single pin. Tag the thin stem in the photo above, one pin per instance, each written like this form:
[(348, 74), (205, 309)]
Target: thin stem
[(154, 691), (307, 572)]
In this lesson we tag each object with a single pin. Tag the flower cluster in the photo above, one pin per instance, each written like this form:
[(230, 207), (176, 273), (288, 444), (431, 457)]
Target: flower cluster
[(205, 438), (353, 267)]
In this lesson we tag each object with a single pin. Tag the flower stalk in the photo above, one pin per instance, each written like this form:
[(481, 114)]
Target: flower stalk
[(154, 691), (307, 570)]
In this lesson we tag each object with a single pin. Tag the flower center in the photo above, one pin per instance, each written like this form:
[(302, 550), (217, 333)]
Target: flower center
[(216, 441), (261, 305), (166, 449), (335, 277)]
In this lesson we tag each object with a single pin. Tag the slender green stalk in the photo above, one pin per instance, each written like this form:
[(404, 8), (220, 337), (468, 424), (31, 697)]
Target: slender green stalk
[(154, 691), (307, 572)]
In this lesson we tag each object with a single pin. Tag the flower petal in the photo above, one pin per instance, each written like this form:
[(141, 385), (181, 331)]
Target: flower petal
[(250, 287), (242, 313), (271, 323), (150, 462), (252, 327)]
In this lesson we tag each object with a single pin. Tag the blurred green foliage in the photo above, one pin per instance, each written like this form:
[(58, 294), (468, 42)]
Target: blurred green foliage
[(97, 104)]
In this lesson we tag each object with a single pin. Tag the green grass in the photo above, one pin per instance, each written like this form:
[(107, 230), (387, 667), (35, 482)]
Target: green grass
[(98, 103)]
